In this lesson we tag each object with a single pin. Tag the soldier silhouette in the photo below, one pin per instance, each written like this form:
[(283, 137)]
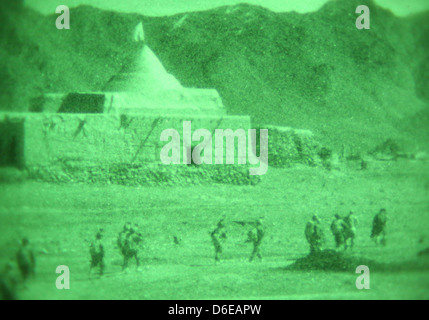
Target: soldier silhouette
[(218, 236), (25, 259), (131, 246), (255, 236), (314, 234), (96, 251), (8, 283), (378, 232)]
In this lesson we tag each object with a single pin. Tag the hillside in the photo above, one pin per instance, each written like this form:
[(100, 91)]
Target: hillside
[(313, 71)]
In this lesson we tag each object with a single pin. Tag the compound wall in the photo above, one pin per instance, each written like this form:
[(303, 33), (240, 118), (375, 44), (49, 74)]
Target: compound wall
[(93, 139)]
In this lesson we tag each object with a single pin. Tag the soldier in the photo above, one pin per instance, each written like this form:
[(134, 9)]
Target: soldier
[(96, 250), (218, 235), (131, 246), (379, 227), (350, 230), (26, 260), (255, 237), (122, 237), (8, 284), (314, 234), (338, 227)]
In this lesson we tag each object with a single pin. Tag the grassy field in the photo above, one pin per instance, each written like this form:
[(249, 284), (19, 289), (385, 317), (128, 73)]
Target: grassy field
[(62, 219)]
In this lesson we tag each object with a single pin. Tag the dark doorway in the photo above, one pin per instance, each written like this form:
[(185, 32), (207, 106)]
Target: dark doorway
[(12, 143)]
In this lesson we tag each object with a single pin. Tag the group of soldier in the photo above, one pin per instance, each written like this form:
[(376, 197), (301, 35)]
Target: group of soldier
[(128, 243), (26, 263), (344, 231), (254, 236)]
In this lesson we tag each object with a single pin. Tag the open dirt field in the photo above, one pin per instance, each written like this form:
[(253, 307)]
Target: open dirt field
[(62, 219)]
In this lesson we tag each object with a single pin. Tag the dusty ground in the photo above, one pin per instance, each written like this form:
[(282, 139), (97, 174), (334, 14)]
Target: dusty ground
[(61, 219)]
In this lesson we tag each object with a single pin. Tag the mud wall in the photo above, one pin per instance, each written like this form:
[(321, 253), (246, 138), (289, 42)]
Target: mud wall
[(93, 139), (120, 149), (288, 146)]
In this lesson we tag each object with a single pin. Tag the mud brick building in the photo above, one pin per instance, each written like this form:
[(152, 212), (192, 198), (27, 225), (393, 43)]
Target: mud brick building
[(78, 136)]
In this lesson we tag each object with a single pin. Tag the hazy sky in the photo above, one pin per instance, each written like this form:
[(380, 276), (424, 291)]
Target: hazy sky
[(167, 7)]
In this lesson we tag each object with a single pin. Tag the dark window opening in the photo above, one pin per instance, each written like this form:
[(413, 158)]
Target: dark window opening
[(83, 103)]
